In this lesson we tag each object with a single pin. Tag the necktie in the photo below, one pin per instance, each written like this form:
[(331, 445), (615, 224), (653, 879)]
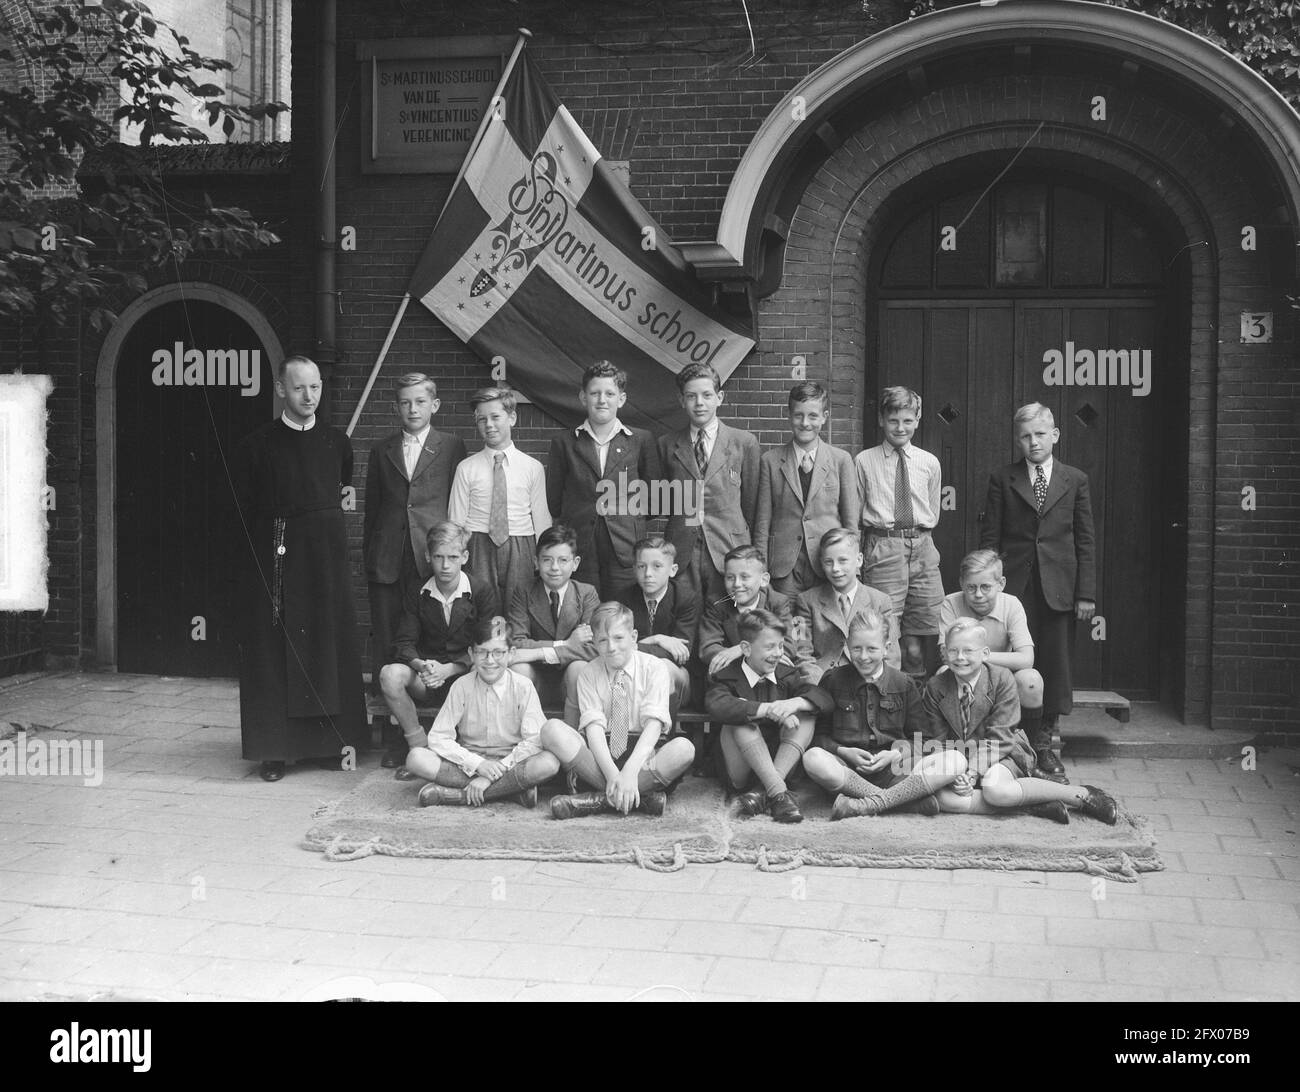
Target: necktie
[(805, 474), (620, 715), (498, 520), (555, 610), (903, 517), (967, 696), (1040, 487), (846, 607), (651, 605), (701, 454), (806, 463)]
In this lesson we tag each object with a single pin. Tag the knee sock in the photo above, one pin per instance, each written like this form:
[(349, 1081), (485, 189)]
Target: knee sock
[(788, 755), (646, 782), (1031, 723), (585, 765), (912, 787), (511, 783), (754, 748), (1034, 790)]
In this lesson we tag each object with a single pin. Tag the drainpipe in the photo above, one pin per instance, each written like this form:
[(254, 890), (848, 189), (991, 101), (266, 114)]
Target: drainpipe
[(325, 351)]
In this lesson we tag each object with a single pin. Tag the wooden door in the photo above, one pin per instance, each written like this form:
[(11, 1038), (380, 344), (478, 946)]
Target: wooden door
[(974, 363), (177, 527)]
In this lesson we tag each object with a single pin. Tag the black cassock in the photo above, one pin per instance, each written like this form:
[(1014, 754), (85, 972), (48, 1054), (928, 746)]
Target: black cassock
[(300, 686)]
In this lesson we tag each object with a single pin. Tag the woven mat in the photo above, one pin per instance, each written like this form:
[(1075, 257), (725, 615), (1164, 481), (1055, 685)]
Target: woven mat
[(381, 816)]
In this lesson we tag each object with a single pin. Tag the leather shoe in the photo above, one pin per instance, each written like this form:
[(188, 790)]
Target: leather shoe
[(1100, 805), (272, 771), (432, 794), (580, 804), (752, 803), (927, 805), (784, 809), (403, 774), (653, 803), (528, 798), (1050, 767), (393, 758), (1055, 810), (849, 807)]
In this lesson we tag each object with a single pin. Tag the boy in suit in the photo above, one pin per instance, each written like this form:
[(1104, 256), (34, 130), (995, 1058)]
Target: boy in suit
[(550, 622), (432, 643), (973, 704), (805, 488), (1038, 516), (747, 581), (1003, 618), (584, 464), (901, 489), (408, 481), (623, 698), (485, 742), (766, 711), (870, 749), (663, 613), (717, 466), (822, 613), (499, 496)]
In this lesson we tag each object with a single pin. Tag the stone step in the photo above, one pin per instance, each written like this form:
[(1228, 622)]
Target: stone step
[(1114, 705)]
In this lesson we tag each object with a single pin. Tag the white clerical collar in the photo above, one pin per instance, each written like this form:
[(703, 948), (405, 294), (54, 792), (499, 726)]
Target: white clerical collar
[(753, 677), (310, 424)]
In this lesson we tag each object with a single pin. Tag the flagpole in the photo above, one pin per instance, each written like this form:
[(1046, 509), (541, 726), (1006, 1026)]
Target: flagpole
[(524, 35)]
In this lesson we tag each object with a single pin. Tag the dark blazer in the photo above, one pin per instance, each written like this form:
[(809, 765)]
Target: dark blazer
[(994, 716), (785, 520), (676, 616), (720, 624), (730, 494), (871, 715), (395, 508), (424, 634), (817, 614), (530, 617), (573, 478), (1060, 539), (731, 700)]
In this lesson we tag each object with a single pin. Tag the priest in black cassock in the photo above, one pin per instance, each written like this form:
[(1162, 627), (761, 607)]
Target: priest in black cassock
[(300, 686)]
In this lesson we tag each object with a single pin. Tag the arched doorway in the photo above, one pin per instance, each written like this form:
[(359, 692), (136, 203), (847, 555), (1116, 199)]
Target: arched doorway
[(1050, 288), (185, 373)]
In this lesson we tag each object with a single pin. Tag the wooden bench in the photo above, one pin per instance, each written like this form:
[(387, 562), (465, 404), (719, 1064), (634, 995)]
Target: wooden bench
[(1115, 706)]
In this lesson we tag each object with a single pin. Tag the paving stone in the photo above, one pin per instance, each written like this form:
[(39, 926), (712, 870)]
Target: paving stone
[(1213, 940), (504, 923), (927, 953), (830, 948), (1108, 934), (1163, 969), (725, 938), (600, 901), (960, 987), (1124, 903), (994, 927), (617, 933), (1104, 993), (884, 921), (1012, 959), (133, 970), (420, 956), (1197, 884), (649, 970), (1052, 904), (546, 963), (770, 981), (567, 991), (871, 984), (949, 897), (1237, 864), (1248, 913)]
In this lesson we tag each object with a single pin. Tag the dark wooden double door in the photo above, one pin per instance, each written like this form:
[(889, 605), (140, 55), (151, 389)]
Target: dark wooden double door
[(178, 529), (975, 362)]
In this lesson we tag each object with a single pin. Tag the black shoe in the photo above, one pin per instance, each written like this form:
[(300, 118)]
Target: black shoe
[(927, 805), (1050, 767), (1055, 810), (403, 774), (1100, 805), (752, 803), (272, 771), (578, 805), (784, 809), (394, 758), (653, 803)]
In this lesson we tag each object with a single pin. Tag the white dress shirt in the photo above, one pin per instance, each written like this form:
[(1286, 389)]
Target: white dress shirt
[(470, 503), (411, 448)]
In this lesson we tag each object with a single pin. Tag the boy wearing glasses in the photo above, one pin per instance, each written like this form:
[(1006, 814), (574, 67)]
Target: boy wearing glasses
[(1003, 618), (485, 743)]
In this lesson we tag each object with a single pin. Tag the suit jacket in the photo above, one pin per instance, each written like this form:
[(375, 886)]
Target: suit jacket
[(396, 508), (676, 616), (994, 716), (1060, 540), (785, 520), (530, 617), (574, 482), (825, 630), (730, 493), (424, 634), (720, 624), (731, 700)]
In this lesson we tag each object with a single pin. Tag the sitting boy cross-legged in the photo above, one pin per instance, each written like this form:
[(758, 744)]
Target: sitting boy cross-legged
[(766, 714), (974, 705), (623, 703), (865, 746), (485, 741)]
